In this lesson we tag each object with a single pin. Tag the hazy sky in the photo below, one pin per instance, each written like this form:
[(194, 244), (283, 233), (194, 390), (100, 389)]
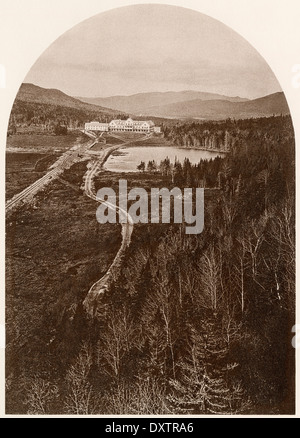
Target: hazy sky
[(152, 48)]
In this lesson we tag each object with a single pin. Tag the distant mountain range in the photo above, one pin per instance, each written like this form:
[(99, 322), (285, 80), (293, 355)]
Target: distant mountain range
[(143, 103), (194, 104), (274, 104), (176, 105)]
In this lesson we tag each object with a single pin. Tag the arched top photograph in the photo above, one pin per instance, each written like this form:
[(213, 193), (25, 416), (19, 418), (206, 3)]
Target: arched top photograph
[(150, 223)]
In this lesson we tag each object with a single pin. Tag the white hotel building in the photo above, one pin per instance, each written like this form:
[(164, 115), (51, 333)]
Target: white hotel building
[(96, 126), (129, 125)]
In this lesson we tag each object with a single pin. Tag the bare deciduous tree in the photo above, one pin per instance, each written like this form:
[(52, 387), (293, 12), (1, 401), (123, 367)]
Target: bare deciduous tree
[(145, 397), (80, 399), (116, 341), (209, 268), (40, 395)]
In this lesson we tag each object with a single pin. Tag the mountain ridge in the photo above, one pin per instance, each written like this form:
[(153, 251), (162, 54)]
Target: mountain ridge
[(137, 103), (209, 107), (273, 104), (51, 96)]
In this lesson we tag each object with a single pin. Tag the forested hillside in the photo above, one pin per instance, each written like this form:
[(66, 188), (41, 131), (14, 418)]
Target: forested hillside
[(225, 135), (44, 109), (45, 116), (194, 324)]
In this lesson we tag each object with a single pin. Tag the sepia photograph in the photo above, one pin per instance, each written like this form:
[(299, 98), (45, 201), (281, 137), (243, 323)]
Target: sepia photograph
[(150, 224)]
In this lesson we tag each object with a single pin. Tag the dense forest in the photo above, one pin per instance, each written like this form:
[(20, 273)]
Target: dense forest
[(196, 324), (225, 135)]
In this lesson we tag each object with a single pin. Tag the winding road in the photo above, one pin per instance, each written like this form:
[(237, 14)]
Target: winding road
[(101, 286)]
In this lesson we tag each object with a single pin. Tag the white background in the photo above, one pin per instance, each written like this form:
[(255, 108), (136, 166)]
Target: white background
[(28, 27)]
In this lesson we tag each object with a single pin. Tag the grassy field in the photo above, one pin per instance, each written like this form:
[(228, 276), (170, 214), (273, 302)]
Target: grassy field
[(29, 156), (44, 143), (112, 140), (134, 179), (126, 137), (22, 169), (152, 141)]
